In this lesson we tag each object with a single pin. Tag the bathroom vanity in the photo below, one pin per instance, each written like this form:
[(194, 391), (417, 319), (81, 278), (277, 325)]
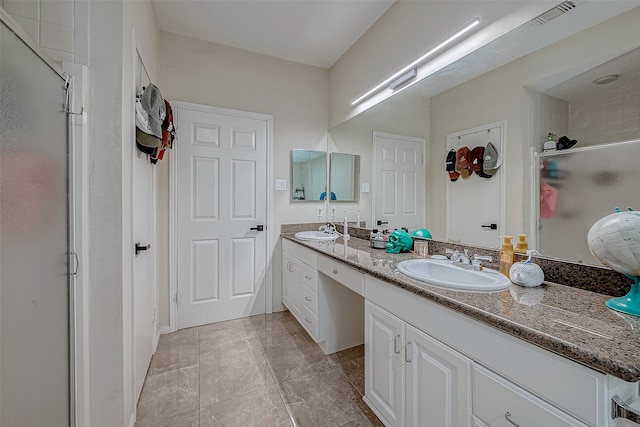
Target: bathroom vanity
[(547, 356)]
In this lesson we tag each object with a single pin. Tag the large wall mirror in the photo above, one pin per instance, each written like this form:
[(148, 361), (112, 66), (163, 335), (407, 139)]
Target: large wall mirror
[(308, 175), (344, 177), (518, 79)]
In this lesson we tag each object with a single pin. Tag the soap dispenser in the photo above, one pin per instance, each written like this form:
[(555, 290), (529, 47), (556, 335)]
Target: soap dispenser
[(507, 256), (522, 247)]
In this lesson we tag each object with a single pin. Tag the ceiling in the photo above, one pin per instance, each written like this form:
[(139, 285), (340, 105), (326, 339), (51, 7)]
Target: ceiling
[(626, 66), (313, 32)]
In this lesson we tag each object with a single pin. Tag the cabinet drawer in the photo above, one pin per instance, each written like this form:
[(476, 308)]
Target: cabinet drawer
[(304, 254), (500, 403), (339, 272), (309, 321), (309, 277), (309, 299)]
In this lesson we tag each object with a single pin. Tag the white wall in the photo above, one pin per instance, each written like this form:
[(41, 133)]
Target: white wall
[(107, 345), (296, 95)]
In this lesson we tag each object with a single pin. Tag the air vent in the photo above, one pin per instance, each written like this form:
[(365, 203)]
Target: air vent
[(552, 14)]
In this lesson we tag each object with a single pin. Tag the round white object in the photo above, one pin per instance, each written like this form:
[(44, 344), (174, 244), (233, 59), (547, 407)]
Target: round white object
[(526, 274), (615, 241)]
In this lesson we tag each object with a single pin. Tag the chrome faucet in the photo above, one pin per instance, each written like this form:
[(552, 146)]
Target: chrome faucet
[(328, 228), (457, 257), (476, 261)]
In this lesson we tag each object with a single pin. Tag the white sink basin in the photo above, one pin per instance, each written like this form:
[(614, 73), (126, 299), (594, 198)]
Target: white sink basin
[(316, 235), (445, 274)]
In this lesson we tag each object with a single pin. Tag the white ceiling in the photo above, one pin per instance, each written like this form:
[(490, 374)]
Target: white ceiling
[(313, 32)]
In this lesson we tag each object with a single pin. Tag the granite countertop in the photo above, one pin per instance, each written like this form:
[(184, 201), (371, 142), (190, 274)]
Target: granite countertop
[(571, 322)]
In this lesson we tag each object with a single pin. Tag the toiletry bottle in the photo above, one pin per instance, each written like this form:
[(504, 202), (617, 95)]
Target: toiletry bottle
[(522, 246), (550, 144), (507, 256)]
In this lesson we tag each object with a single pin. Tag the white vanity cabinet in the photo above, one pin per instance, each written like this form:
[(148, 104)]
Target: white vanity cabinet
[(300, 288), (412, 379), (482, 376), (323, 295)]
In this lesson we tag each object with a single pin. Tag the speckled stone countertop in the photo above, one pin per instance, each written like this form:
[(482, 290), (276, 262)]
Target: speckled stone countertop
[(571, 322)]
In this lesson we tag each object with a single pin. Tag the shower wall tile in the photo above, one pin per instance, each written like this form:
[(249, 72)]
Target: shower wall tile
[(58, 12), (23, 8), (57, 37), (30, 26), (59, 55)]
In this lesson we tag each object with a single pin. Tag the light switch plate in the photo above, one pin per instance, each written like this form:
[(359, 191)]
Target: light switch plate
[(281, 185), (365, 187)]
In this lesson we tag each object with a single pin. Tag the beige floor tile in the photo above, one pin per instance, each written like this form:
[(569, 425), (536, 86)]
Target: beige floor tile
[(258, 371), (260, 408), (327, 399), (188, 419), (227, 377), (227, 342), (176, 350), (170, 393)]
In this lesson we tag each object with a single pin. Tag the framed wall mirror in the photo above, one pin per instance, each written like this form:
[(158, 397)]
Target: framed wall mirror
[(308, 175), (344, 177)]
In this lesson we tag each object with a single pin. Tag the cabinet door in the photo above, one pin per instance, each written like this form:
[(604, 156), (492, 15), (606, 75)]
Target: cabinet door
[(384, 384), (287, 277), (437, 382)]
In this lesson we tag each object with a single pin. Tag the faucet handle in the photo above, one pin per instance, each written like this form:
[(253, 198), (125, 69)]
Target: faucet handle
[(451, 251), (477, 257)]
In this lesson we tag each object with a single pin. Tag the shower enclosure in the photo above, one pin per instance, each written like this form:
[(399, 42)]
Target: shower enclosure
[(35, 288)]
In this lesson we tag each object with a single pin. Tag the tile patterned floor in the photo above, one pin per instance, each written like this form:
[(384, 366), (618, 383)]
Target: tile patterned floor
[(260, 371)]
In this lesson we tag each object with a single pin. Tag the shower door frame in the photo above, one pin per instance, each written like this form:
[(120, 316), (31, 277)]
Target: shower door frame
[(74, 228)]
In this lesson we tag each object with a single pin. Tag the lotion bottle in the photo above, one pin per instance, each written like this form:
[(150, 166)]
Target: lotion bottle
[(507, 256), (522, 247)]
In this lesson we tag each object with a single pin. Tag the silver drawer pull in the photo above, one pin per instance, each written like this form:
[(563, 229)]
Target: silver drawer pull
[(335, 271), (307, 277), (306, 319), (395, 344), (619, 409), (307, 298), (507, 417), (407, 352)]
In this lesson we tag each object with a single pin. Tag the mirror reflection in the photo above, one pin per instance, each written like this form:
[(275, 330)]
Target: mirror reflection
[(524, 92), (344, 177), (308, 175)]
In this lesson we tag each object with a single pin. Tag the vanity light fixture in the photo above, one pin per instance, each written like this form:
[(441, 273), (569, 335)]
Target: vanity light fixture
[(402, 73)]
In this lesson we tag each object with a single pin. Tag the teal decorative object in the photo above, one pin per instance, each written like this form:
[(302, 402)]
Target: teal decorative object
[(422, 232), (615, 241), (399, 241)]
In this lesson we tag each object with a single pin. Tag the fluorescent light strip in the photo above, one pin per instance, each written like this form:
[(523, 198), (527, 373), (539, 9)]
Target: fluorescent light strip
[(416, 62)]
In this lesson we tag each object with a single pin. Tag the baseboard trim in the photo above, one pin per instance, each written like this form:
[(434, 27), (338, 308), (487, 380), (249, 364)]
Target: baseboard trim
[(161, 331), (132, 420)]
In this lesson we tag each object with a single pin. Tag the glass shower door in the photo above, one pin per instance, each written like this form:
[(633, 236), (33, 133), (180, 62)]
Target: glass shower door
[(34, 240)]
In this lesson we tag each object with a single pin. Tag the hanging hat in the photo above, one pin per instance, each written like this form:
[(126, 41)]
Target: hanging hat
[(153, 104), (492, 160), (463, 161), (146, 140), (451, 165), (477, 161), (168, 131)]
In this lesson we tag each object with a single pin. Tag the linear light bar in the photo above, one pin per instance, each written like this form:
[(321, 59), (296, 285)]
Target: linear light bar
[(416, 61)]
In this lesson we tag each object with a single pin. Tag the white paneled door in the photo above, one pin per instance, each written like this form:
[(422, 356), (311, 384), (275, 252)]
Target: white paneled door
[(221, 185), (398, 181)]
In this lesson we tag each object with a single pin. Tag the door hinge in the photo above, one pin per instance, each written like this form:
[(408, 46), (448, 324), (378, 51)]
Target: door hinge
[(176, 300), (155, 311)]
